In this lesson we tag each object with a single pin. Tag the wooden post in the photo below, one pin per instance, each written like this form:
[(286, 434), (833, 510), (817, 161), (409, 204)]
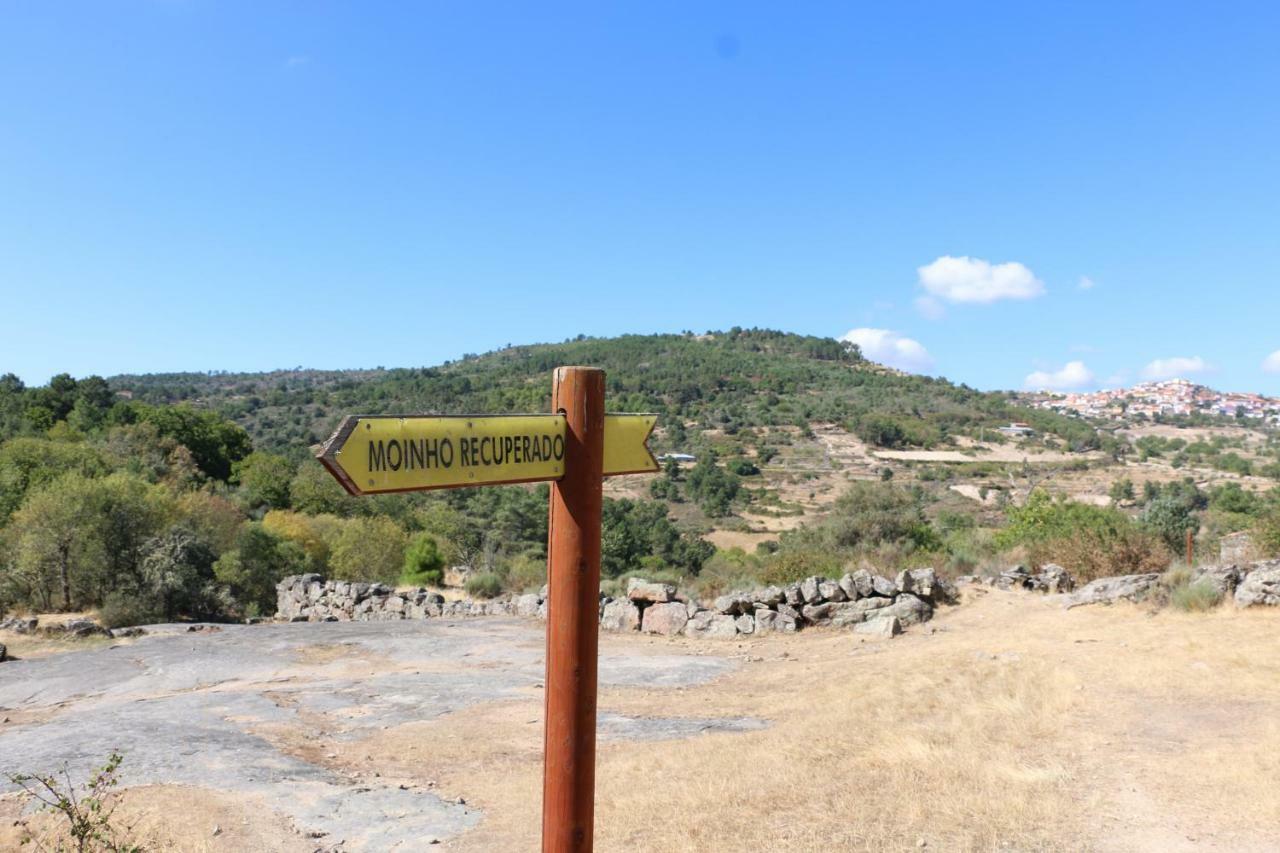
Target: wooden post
[(573, 567)]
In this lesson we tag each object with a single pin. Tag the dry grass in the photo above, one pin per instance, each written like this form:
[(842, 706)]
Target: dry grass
[(1017, 725)]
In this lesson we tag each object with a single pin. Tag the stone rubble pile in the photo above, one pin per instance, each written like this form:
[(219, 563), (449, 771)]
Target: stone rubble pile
[(1247, 584), (856, 598), (1051, 579), (70, 628), (652, 608)]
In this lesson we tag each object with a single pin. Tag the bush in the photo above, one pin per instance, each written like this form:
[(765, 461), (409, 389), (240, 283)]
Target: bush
[(484, 585), (423, 563), (120, 611), (1188, 596)]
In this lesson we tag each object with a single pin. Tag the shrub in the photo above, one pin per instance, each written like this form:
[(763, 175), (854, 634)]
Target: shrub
[(423, 563), (1186, 595), (120, 610), (484, 585)]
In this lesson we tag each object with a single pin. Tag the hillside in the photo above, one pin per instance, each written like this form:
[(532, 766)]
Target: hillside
[(731, 382)]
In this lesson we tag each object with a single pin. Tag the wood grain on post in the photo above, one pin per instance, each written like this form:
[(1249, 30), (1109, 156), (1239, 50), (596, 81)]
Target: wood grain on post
[(573, 552)]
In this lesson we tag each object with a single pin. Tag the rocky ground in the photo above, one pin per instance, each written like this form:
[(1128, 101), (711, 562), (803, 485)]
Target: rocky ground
[(1010, 722)]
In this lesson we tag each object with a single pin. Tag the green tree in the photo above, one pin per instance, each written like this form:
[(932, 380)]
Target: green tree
[(215, 443), (368, 549), (423, 563), (264, 480), (259, 561)]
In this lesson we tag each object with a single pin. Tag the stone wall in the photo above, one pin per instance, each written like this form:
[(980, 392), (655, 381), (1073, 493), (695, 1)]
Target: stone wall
[(856, 599), (879, 604)]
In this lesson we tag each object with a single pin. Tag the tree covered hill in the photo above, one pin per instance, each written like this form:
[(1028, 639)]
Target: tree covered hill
[(729, 381)]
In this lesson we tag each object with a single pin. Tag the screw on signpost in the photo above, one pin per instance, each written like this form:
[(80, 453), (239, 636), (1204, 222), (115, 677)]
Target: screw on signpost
[(573, 549)]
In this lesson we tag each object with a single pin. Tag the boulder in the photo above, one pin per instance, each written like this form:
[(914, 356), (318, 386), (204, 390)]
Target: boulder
[(849, 587), (1223, 579), (831, 591), (885, 627), (908, 608), (84, 628), (527, 605), (786, 623), (853, 612), (1108, 590), (883, 586), (650, 593), (621, 614), (1054, 579), (4, 653), (1261, 586), (766, 619), (20, 624), (809, 590), (746, 624), (707, 623), (818, 614), (789, 611), (770, 596), (733, 604), (793, 595), (917, 582), (667, 619), (864, 583)]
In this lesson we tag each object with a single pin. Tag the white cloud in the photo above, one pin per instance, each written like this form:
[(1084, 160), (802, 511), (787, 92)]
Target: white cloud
[(930, 308), (296, 61), (1073, 376), (975, 280), (891, 348), (1086, 283), (1271, 364), (1171, 368)]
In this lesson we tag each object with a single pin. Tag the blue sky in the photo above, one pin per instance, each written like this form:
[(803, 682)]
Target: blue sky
[(246, 186)]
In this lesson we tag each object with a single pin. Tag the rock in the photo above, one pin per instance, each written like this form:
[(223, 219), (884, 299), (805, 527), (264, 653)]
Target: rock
[(766, 620), (651, 593), (20, 625), (733, 604), (885, 627), (786, 623), (746, 624), (1054, 579), (4, 653), (527, 605), (707, 623), (908, 608), (883, 586), (621, 615), (789, 611), (864, 583), (667, 619), (84, 628), (849, 587), (133, 631), (853, 612), (793, 595), (1108, 590), (770, 596), (809, 590), (831, 591), (1261, 586), (917, 582), (1223, 579), (818, 614)]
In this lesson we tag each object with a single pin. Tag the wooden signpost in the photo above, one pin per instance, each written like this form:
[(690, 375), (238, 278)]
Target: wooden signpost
[(574, 448)]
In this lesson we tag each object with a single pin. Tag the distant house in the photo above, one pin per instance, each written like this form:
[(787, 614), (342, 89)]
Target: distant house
[(1018, 429), (677, 457)]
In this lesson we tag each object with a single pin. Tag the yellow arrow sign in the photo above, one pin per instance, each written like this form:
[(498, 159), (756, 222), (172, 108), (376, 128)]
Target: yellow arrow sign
[(387, 453)]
